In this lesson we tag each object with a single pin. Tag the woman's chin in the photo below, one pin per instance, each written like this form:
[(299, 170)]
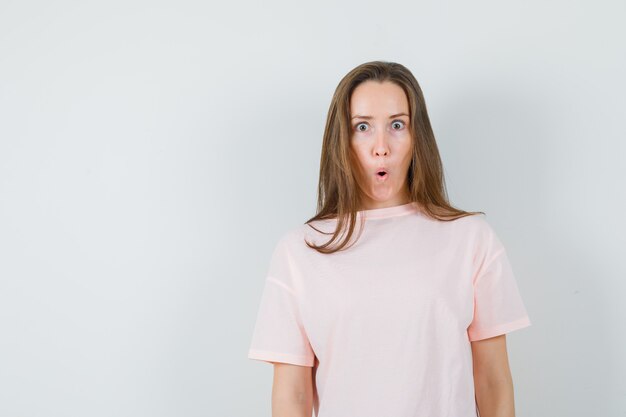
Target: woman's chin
[(383, 194)]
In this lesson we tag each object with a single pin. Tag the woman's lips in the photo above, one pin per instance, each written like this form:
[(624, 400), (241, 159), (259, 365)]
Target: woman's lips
[(381, 175)]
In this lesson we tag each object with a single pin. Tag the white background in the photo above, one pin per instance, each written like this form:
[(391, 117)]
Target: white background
[(151, 153)]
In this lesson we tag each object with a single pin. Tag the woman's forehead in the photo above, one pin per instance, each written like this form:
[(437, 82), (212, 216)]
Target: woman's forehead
[(378, 99)]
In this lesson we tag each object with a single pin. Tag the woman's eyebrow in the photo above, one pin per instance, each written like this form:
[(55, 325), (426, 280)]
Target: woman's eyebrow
[(370, 117)]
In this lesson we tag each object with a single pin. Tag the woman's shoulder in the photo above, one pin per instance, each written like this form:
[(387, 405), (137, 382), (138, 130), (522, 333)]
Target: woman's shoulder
[(291, 235), (469, 227), (295, 237), (476, 221), (476, 227)]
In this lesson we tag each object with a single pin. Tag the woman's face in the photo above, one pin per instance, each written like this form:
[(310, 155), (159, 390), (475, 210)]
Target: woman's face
[(381, 139)]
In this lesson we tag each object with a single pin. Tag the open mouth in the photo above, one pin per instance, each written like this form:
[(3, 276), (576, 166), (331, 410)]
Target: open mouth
[(381, 173)]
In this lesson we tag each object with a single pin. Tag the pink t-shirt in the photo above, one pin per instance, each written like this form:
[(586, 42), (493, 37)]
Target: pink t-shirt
[(387, 324)]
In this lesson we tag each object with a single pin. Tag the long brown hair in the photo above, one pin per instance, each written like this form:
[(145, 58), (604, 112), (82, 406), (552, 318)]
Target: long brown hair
[(338, 193)]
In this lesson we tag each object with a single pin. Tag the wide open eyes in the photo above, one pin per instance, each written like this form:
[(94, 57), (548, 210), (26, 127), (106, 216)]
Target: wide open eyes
[(397, 122), (364, 126)]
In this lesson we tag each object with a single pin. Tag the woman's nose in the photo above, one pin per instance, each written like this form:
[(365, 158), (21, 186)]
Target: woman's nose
[(381, 146)]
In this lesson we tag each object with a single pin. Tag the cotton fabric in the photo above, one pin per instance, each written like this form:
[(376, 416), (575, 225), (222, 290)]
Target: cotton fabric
[(387, 324)]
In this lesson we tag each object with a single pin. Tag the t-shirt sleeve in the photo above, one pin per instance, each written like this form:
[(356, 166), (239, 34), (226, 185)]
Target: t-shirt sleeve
[(498, 305), (279, 335)]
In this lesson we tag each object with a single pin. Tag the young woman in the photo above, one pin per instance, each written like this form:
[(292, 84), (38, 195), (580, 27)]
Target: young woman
[(389, 301)]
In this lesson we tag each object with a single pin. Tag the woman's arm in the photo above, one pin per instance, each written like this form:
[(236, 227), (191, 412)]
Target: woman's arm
[(493, 383), (292, 391)]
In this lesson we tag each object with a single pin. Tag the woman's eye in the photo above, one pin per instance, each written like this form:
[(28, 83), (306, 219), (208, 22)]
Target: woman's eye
[(358, 127), (398, 122)]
